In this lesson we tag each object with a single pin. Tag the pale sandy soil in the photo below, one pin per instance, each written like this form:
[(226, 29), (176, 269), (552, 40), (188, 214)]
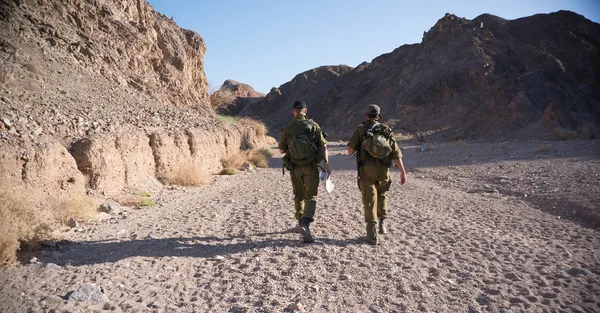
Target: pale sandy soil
[(462, 238)]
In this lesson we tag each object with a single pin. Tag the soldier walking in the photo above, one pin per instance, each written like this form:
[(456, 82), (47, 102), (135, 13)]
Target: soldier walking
[(376, 150), (305, 147)]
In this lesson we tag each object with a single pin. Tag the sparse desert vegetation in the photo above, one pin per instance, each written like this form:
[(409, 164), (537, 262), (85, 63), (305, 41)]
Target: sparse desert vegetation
[(462, 143), (226, 119), (228, 171), (564, 134), (27, 217), (543, 149), (257, 157), (77, 206), (260, 157), (188, 176), (146, 202), (221, 98), (259, 127)]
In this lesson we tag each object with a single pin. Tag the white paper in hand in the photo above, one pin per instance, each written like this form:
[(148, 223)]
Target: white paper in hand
[(329, 185)]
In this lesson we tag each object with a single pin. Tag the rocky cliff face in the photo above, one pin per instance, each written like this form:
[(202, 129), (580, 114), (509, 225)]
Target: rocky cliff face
[(484, 78), (105, 96), (124, 41)]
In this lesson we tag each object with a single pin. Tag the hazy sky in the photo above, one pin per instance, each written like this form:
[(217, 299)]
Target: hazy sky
[(265, 43)]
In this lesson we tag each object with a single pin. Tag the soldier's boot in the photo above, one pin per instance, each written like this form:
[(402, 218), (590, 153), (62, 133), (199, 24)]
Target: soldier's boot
[(298, 229), (382, 228), (306, 235), (372, 233)]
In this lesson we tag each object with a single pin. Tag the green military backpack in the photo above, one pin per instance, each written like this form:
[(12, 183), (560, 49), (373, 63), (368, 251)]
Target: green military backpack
[(302, 148), (377, 141)]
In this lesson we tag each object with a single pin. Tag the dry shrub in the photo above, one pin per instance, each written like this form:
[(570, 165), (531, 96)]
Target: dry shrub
[(20, 222), (146, 202), (189, 176), (235, 161), (564, 134), (588, 131), (259, 128), (260, 158), (222, 98), (228, 171), (77, 206), (543, 149), (461, 143), (271, 140), (225, 119), (129, 200)]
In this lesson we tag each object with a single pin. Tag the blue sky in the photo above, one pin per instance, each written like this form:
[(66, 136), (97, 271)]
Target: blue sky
[(265, 43)]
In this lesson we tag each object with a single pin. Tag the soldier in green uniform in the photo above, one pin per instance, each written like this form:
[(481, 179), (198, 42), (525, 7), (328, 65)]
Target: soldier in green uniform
[(304, 146), (375, 149)]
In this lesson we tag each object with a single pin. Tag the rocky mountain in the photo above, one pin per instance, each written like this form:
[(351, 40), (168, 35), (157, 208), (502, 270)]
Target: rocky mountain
[(483, 78), (234, 96)]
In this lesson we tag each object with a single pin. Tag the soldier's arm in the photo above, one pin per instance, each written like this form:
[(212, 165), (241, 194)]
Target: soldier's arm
[(397, 154), (354, 143), (282, 142), (323, 143)]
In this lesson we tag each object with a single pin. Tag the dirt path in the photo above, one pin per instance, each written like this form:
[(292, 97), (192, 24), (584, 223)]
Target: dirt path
[(228, 248)]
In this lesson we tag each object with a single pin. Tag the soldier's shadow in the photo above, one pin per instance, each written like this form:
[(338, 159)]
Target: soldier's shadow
[(109, 251)]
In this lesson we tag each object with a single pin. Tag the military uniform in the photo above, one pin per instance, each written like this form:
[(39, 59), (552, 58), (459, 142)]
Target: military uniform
[(374, 179), (305, 178)]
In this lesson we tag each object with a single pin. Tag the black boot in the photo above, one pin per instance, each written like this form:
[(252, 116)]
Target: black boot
[(382, 229), (306, 235)]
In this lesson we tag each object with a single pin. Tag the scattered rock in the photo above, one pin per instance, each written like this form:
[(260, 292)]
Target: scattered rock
[(34, 260), (72, 222), (7, 122), (296, 307), (575, 271), (88, 293), (248, 167), (345, 277), (483, 299), (53, 266), (104, 216), (111, 208), (219, 258)]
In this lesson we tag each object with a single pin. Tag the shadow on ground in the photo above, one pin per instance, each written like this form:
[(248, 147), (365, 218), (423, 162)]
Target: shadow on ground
[(103, 251)]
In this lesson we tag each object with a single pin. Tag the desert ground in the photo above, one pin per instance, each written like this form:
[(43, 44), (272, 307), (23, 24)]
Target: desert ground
[(479, 227)]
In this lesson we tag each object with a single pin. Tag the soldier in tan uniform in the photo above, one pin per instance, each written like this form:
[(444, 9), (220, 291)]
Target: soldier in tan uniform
[(304, 146), (374, 168)]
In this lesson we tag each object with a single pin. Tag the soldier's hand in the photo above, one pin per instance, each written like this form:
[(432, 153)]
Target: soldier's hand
[(402, 178)]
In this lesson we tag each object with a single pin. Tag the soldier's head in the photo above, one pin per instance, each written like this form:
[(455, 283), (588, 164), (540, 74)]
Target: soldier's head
[(373, 112), (299, 107)]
